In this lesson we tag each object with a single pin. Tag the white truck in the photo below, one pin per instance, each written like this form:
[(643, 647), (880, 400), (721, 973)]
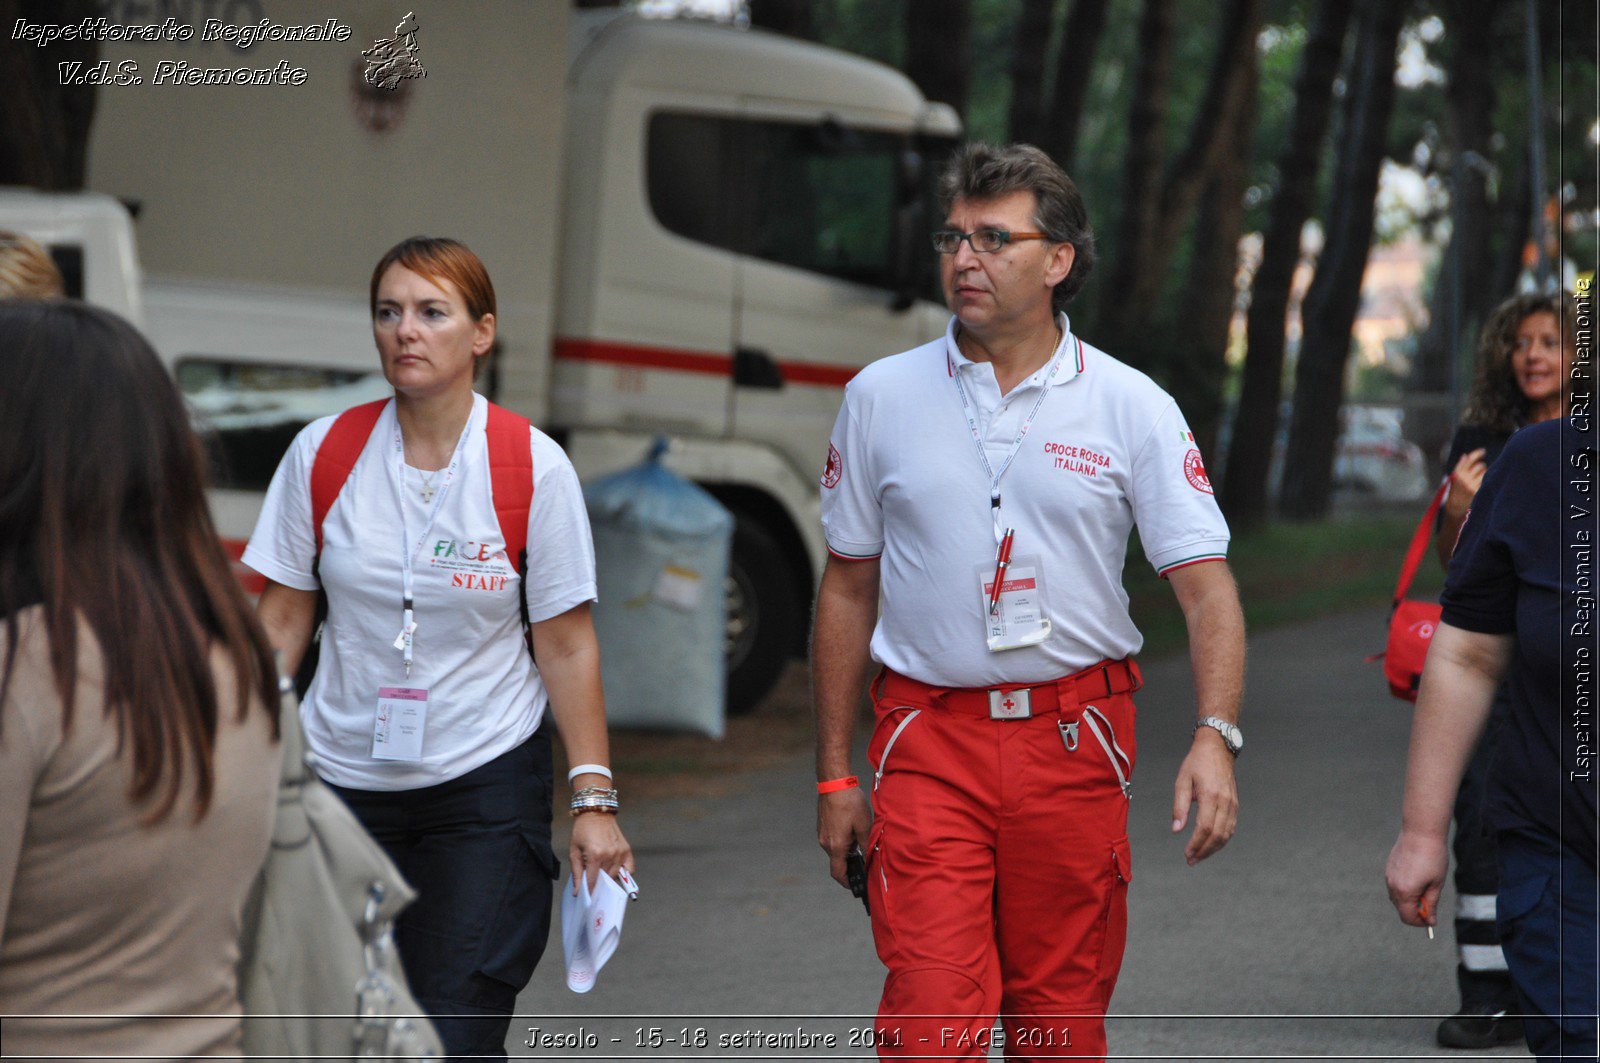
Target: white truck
[(695, 231)]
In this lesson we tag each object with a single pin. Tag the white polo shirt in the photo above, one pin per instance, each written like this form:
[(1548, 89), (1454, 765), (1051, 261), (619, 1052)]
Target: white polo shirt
[(485, 696), (1107, 450)]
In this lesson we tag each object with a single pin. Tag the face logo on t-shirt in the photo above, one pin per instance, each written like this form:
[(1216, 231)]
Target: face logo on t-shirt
[(473, 565), (835, 469), (1195, 470)]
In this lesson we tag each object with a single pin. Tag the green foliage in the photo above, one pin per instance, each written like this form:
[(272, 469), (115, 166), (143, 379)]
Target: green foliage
[(994, 28), (873, 28), (1418, 129)]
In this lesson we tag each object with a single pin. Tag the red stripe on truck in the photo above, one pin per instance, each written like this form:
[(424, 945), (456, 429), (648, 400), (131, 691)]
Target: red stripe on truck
[(686, 361)]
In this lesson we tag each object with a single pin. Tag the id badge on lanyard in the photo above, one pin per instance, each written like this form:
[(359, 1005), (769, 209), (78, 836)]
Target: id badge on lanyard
[(400, 718), (1018, 615), (1011, 590), (400, 722)]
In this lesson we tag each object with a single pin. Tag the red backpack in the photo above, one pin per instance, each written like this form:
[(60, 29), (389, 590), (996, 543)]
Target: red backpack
[(1412, 624), (510, 471)]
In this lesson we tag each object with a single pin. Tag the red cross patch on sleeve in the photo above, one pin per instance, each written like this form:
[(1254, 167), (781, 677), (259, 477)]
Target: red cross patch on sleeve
[(1195, 470), (835, 469)]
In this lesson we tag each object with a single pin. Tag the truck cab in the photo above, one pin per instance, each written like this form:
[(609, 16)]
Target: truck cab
[(90, 237), (696, 231), (745, 227)]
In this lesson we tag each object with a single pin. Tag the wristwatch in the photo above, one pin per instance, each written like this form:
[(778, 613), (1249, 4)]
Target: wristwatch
[(1232, 737)]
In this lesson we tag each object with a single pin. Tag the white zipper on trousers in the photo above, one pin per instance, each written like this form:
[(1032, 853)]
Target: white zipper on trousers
[(877, 777), (1120, 762), (894, 736)]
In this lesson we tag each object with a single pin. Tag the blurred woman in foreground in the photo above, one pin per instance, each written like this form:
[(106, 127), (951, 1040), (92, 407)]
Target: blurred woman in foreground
[(138, 764)]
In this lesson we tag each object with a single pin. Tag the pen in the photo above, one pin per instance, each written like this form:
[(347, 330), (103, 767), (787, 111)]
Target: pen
[(1422, 910), (1002, 560)]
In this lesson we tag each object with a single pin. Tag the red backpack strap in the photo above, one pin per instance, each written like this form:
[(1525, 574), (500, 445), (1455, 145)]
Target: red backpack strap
[(511, 479), (340, 450), (1419, 543)]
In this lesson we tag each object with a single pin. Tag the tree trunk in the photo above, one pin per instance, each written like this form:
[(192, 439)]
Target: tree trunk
[(1141, 182), (1232, 69), (1080, 39), (1460, 293), (792, 18), (1164, 215), (44, 125), (1335, 293), (1211, 289), (1461, 297), (1027, 70), (939, 49), (1245, 490), (1515, 222)]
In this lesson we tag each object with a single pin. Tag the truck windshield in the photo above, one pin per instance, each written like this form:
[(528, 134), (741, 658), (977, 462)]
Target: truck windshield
[(817, 196), (248, 413)]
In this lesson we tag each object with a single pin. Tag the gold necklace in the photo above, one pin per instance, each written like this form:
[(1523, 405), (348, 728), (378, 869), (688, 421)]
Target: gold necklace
[(427, 485)]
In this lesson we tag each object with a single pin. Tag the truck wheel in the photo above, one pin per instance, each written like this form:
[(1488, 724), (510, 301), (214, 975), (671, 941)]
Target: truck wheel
[(763, 615)]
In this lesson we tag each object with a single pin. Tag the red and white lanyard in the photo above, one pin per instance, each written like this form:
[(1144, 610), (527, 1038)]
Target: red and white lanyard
[(408, 550), (1016, 444)]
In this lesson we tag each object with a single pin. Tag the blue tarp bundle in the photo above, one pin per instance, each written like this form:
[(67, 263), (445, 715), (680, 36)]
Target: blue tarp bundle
[(661, 552)]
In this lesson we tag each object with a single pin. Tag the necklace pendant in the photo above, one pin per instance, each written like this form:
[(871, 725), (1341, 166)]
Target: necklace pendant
[(427, 494)]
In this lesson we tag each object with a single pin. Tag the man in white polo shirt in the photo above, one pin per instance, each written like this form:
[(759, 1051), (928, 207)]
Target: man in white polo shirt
[(983, 487)]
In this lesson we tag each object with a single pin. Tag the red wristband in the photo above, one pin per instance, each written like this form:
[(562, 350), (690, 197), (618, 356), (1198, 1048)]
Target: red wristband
[(833, 786)]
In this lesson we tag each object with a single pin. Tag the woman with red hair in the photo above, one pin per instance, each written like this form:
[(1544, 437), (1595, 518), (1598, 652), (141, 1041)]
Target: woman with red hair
[(427, 712)]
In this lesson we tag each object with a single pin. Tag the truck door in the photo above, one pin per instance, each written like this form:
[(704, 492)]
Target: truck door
[(645, 321), (815, 296)]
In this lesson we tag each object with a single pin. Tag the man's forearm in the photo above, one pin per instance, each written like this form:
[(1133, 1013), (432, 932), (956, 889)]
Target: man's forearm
[(1216, 656), (1215, 624), (840, 664)]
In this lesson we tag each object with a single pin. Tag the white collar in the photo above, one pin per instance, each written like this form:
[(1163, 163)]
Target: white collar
[(1068, 358)]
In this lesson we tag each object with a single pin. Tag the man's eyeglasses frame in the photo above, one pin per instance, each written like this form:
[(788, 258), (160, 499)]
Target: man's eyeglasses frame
[(948, 241)]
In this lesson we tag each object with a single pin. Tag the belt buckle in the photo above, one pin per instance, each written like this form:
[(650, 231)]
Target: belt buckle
[(1010, 704)]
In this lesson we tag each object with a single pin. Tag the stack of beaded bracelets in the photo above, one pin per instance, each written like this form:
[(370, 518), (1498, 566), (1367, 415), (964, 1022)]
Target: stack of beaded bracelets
[(594, 799)]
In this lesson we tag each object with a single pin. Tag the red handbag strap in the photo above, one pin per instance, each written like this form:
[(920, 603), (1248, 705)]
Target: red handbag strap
[(338, 454), (511, 479), (1419, 543)]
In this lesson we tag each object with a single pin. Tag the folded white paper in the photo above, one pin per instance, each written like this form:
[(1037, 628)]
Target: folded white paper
[(591, 927)]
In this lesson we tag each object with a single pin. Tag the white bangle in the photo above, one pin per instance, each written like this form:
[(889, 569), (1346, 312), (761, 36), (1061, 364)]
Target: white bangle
[(588, 769)]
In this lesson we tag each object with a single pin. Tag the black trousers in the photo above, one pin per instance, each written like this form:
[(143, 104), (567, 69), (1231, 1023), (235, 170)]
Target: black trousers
[(1484, 983), (477, 851)]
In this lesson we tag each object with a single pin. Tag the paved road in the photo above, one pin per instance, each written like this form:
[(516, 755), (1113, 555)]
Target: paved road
[(1284, 946)]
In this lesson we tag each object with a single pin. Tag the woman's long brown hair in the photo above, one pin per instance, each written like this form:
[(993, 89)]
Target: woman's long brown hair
[(103, 520)]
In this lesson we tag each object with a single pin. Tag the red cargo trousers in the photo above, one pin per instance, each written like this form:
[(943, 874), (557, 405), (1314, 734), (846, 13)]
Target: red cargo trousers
[(998, 864)]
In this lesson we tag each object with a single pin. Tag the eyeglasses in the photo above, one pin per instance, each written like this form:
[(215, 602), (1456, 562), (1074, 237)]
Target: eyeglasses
[(988, 241)]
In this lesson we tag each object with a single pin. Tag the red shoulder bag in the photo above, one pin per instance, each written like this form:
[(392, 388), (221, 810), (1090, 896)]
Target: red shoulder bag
[(1412, 623)]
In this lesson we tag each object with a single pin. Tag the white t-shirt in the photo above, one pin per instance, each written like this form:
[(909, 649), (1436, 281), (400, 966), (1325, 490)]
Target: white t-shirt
[(485, 696), (1108, 449)]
